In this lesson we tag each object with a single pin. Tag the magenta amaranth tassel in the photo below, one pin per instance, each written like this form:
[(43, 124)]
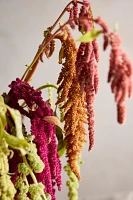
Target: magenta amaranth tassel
[(43, 131)]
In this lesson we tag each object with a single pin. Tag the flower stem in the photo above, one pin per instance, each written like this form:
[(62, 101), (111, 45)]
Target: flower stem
[(46, 86), (32, 67), (32, 175), (30, 170)]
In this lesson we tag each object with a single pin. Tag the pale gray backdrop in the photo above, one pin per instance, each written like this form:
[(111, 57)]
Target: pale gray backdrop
[(109, 167)]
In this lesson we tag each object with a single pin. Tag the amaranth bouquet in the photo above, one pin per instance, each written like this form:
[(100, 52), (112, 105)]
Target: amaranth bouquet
[(30, 166)]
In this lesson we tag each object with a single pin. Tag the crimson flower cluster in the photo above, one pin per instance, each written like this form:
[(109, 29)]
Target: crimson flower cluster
[(43, 131)]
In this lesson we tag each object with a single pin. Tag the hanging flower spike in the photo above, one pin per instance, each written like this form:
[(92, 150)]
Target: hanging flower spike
[(72, 183), (71, 17), (96, 49), (86, 68), (120, 71), (43, 131), (67, 73), (75, 12), (75, 133), (85, 24), (120, 75), (121, 112), (49, 49), (41, 140), (105, 31), (70, 91), (102, 24), (87, 74)]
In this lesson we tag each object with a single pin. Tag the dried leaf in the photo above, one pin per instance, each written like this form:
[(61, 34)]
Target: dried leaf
[(53, 120)]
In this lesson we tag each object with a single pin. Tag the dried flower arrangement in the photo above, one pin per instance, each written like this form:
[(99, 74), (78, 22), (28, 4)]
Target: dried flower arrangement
[(30, 166)]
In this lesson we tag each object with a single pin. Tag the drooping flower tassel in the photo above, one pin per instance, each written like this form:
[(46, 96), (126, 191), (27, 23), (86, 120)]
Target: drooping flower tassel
[(75, 133), (43, 131), (74, 108), (67, 73), (120, 76), (87, 75)]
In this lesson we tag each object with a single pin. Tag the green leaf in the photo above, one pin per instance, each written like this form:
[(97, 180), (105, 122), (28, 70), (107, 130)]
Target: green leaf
[(61, 147), (45, 33), (1, 129), (89, 36), (3, 110), (116, 27), (16, 143), (16, 116), (59, 133)]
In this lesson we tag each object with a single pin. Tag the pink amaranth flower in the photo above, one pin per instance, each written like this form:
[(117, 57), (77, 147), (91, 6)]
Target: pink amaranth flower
[(71, 17), (120, 72), (73, 14), (96, 49), (102, 24), (41, 140), (120, 75), (86, 68), (85, 17), (43, 131), (87, 74)]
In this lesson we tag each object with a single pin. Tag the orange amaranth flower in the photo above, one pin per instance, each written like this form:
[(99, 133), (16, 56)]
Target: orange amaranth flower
[(75, 133), (74, 108), (69, 52)]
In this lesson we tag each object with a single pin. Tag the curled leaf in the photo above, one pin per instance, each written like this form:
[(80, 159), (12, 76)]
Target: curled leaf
[(16, 116), (61, 55), (89, 36), (17, 142)]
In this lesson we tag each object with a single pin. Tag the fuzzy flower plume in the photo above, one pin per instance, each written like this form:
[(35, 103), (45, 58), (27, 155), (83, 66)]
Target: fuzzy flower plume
[(87, 75), (120, 76), (75, 133), (68, 53), (86, 68), (73, 14), (50, 47), (72, 184), (43, 131), (74, 108), (120, 72)]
